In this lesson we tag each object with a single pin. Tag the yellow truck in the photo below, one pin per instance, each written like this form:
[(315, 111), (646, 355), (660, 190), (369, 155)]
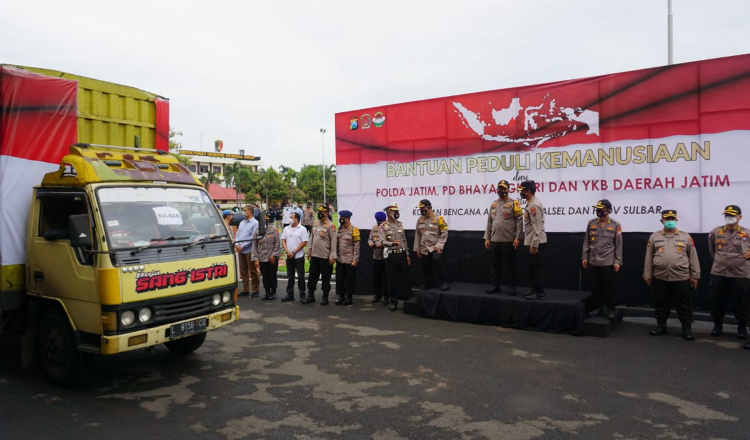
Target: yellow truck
[(107, 243)]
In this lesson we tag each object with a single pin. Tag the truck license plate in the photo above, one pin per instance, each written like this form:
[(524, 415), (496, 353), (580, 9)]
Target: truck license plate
[(188, 328)]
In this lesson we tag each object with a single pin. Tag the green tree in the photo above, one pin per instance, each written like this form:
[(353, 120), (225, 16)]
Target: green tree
[(230, 178), (175, 146), (209, 178), (244, 181), (310, 181), (289, 176)]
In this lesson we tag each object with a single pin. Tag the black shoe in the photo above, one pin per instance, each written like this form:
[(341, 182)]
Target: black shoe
[(347, 302), (611, 314), (741, 333), (287, 298), (324, 302), (595, 312), (302, 298), (268, 296), (272, 297), (658, 331), (393, 307), (529, 295), (255, 295), (537, 296), (309, 300), (718, 330), (444, 287), (746, 346), (512, 290), (244, 294), (376, 300), (687, 333), (425, 287), (386, 301), (492, 290)]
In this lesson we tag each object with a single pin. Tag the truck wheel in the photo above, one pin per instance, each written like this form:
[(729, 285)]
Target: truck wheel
[(57, 348), (187, 344)]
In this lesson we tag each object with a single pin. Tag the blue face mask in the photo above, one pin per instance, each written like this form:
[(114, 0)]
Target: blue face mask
[(670, 224)]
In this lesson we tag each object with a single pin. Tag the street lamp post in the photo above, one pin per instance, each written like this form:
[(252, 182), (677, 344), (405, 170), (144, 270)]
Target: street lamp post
[(323, 136)]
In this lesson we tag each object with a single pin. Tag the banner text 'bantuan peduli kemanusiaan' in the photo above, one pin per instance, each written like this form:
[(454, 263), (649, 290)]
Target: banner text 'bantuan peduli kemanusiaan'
[(667, 137)]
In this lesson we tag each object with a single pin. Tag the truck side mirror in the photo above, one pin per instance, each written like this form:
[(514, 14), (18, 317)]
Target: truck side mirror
[(79, 231)]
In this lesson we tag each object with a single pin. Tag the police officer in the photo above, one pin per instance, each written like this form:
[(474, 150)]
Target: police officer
[(268, 255), (534, 237), (602, 257), (729, 272), (308, 217), (322, 253), (670, 268), (430, 236), (392, 237), (348, 256), (378, 262), (502, 237)]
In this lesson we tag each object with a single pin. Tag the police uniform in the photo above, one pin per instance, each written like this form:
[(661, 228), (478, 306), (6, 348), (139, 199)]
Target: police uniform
[(308, 218), (346, 261), (671, 262), (602, 250), (504, 226), (430, 236), (322, 252), (534, 236), (378, 262), (729, 273), (268, 256), (396, 258)]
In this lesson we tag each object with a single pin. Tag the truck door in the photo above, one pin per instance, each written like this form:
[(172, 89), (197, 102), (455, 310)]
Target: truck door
[(57, 270)]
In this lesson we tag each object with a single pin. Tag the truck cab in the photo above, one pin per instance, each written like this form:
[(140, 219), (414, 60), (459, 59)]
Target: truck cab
[(124, 250)]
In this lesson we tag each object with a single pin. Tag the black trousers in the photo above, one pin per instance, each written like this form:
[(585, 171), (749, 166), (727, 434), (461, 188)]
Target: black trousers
[(319, 269), (602, 280), (269, 272), (397, 271), (668, 294), (430, 262), (502, 252), (346, 278), (379, 278), (536, 270), (725, 288), (295, 266)]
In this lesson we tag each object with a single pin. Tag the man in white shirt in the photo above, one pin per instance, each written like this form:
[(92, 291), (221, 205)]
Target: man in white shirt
[(286, 219), (293, 240)]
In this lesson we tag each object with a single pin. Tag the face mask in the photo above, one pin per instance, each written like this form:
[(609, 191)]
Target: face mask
[(730, 220), (396, 215), (601, 213), (321, 215), (502, 194), (670, 224), (342, 221), (423, 211)]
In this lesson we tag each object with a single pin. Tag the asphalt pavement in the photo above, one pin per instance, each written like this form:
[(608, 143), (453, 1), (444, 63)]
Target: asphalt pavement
[(293, 371)]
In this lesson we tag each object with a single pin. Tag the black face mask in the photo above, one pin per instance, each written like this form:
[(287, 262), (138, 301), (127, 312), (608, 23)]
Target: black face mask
[(423, 211), (502, 194), (341, 221), (601, 213), (396, 215), (321, 215)]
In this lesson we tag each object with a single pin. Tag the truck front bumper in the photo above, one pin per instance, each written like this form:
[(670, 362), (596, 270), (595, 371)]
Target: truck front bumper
[(158, 335)]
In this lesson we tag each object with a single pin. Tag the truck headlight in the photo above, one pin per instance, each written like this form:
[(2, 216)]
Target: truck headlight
[(127, 318), (144, 315), (226, 297), (216, 300)]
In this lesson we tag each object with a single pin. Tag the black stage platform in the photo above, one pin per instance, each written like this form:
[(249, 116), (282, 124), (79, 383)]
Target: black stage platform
[(562, 312)]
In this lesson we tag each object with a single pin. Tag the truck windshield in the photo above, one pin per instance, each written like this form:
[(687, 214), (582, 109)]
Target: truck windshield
[(138, 216)]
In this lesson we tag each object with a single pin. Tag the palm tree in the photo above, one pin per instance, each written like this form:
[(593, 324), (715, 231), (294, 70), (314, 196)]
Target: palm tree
[(209, 178), (231, 173)]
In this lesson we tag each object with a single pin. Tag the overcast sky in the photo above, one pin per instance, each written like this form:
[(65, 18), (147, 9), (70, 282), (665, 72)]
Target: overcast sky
[(266, 76)]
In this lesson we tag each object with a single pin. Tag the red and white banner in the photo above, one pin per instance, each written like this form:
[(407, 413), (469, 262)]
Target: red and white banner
[(673, 137)]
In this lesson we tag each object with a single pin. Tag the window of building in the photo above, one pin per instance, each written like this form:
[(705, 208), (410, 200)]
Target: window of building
[(204, 169), (192, 168), (217, 170)]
